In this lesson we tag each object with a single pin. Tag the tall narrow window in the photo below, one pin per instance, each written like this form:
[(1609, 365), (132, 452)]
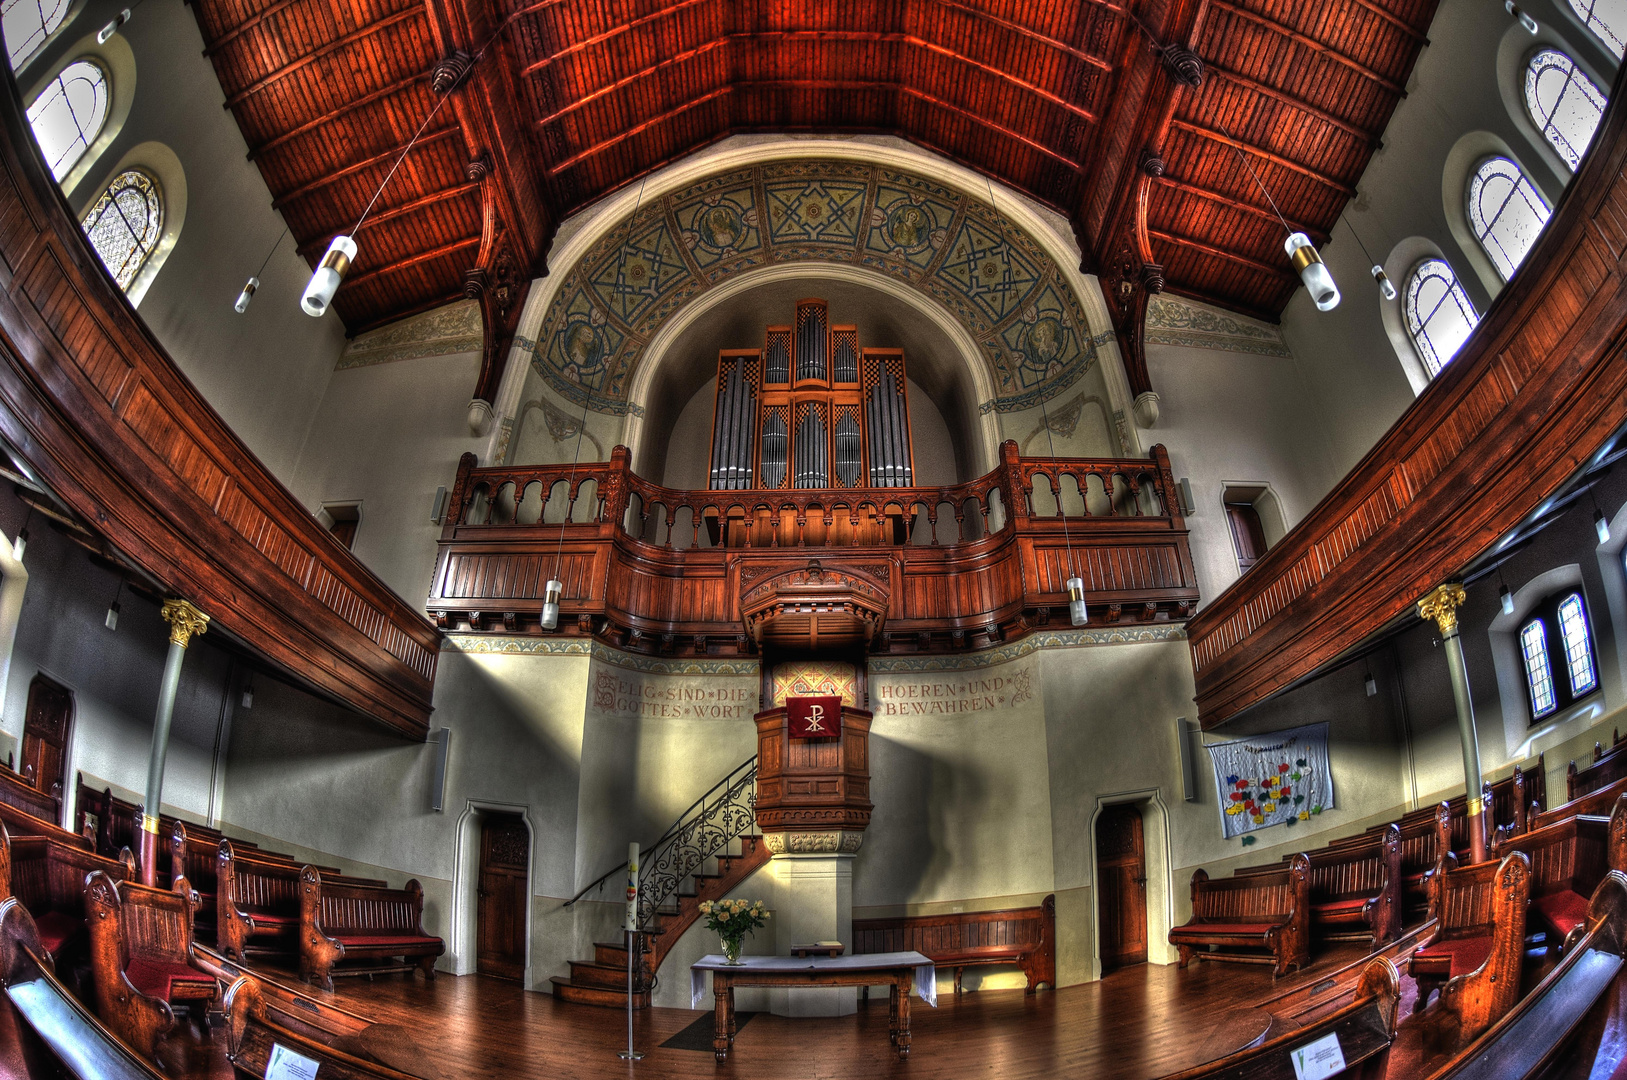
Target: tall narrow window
[(1538, 676), (1439, 313), (1606, 18), (124, 224), (28, 23), (1578, 646), (68, 116), (1506, 211), (1563, 102)]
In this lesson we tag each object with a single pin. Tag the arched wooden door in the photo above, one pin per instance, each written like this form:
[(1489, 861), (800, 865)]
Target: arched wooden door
[(505, 877), (45, 735), (1121, 886)]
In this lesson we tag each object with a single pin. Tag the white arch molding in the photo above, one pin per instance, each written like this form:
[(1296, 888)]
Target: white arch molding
[(466, 883), (582, 231)]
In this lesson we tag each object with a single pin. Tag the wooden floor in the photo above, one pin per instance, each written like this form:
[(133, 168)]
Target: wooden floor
[(1138, 1023)]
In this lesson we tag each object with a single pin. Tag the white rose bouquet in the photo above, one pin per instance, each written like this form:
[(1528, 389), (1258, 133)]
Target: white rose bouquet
[(732, 920)]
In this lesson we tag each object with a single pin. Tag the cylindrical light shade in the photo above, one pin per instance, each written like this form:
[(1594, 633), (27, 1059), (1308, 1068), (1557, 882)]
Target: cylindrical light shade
[(1601, 526), (113, 27), (1076, 602), (329, 273), (1384, 285), (1526, 21), (246, 295), (550, 603), (1308, 264), (1506, 598)]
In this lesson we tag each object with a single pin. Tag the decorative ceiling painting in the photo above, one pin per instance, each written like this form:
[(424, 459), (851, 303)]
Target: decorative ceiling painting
[(974, 263)]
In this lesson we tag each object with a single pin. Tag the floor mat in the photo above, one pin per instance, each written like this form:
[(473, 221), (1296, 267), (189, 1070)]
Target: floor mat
[(698, 1036)]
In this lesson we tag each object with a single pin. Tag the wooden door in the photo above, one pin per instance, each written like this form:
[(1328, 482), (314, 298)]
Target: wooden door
[(45, 735), (1248, 535), (505, 875), (1121, 882)]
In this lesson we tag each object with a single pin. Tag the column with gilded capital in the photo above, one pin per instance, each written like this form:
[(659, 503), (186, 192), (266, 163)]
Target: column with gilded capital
[(185, 623), (1441, 608)]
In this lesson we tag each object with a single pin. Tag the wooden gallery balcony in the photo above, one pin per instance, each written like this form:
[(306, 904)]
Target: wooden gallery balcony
[(916, 569)]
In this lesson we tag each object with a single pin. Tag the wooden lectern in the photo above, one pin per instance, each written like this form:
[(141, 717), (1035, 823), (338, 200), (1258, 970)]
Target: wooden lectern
[(816, 787)]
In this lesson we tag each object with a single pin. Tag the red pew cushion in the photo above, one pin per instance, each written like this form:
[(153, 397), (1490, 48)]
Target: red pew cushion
[(265, 918), (164, 978), (1209, 929), (1563, 910), (1340, 910), (1458, 956), (363, 941), (55, 929)]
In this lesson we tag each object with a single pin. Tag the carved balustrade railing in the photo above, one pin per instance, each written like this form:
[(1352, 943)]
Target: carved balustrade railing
[(966, 565)]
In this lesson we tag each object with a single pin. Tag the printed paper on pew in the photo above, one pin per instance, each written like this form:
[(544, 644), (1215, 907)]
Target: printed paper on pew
[(287, 1065), (1314, 1060)]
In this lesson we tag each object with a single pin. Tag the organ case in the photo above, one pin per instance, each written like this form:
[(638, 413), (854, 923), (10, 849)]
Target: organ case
[(811, 409)]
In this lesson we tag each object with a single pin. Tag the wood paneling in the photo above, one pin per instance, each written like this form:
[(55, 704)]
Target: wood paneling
[(1534, 392), (94, 404)]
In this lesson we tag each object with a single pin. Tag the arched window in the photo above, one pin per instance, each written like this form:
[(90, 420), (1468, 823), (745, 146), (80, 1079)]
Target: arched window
[(1563, 102), (68, 116), (1557, 640), (1439, 313), (1506, 212), (1606, 18), (124, 224), (28, 23)]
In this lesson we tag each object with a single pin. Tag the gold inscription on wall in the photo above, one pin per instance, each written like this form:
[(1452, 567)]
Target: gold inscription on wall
[(946, 696), (671, 700)]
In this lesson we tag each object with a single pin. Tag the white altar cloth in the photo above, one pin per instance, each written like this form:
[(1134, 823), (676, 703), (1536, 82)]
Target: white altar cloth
[(926, 976)]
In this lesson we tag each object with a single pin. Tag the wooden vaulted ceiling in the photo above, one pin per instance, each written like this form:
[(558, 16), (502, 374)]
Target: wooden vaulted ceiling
[(570, 99)]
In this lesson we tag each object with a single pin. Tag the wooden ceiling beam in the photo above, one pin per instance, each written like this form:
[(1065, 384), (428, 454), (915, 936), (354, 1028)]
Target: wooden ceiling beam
[(1317, 235), (1034, 35), (1394, 20), (808, 84), (384, 217), (1243, 81), (246, 25), (1312, 44), (1276, 159), (323, 181), (1221, 253), (410, 261), (318, 53), (333, 114), (609, 35)]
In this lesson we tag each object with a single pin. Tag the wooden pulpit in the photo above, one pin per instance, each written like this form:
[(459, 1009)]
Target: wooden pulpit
[(815, 792)]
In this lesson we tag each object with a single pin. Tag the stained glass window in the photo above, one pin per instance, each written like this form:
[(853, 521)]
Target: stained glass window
[(124, 224), (28, 23), (1538, 676), (1563, 102), (68, 116), (1506, 211), (1606, 18), (1578, 649), (1439, 313)]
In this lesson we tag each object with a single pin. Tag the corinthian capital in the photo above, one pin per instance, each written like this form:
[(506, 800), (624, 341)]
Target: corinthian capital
[(185, 621), (1441, 606)]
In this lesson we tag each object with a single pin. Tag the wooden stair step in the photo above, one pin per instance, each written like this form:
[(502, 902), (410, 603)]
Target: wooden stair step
[(603, 997), (591, 973)]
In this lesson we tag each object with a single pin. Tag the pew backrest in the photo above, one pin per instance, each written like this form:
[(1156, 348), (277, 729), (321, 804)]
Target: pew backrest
[(1571, 854), (48, 875), (18, 793), (1267, 895), (342, 906), (252, 1029), (1028, 934), (1599, 774)]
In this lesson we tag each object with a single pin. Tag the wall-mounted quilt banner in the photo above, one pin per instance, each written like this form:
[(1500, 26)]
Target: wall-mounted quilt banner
[(1276, 779)]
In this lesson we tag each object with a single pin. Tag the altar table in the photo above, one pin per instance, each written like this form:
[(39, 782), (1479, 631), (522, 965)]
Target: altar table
[(899, 970)]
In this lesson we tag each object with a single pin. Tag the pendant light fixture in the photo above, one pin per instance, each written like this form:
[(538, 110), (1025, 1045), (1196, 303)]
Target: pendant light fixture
[(1385, 288), (112, 27), (1078, 611), (1302, 254), (555, 589), (1601, 525), (1526, 21), (112, 619), (253, 283), (1504, 597)]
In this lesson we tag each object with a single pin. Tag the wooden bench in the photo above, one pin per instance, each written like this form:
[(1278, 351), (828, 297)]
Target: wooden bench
[(18, 793), (1364, 1028), (48, 878), (1025, 937), (141, 958), (257, 901), (1599, 803), (1260, 918), (376, 929), (1609, 769), (1355, 887), (1569, 859), (258, 1019), (1569, 1024), (52, 1015), (1425, 835), (1474, 955)]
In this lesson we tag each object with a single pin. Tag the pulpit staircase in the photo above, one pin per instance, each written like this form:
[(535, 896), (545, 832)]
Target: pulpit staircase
[(672, 882)]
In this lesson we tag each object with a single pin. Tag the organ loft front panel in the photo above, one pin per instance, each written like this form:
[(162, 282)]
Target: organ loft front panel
[(810, 409)]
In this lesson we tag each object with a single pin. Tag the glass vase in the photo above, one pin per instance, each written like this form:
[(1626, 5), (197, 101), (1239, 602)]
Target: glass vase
[(731, 949)]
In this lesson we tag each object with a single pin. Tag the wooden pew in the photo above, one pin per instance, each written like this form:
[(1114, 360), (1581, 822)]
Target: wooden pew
[(21, 795), (1261, 918), (1568, 1021), (82, 1043), (1426, 835), (342, 920), (1568, 861), (254, 1025), (48, 878), (1599, 803), (1365, 1028), (141, 958), (1475, 952), (257, 901), (1355, 887), (1609, 769), (1025, 937)]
